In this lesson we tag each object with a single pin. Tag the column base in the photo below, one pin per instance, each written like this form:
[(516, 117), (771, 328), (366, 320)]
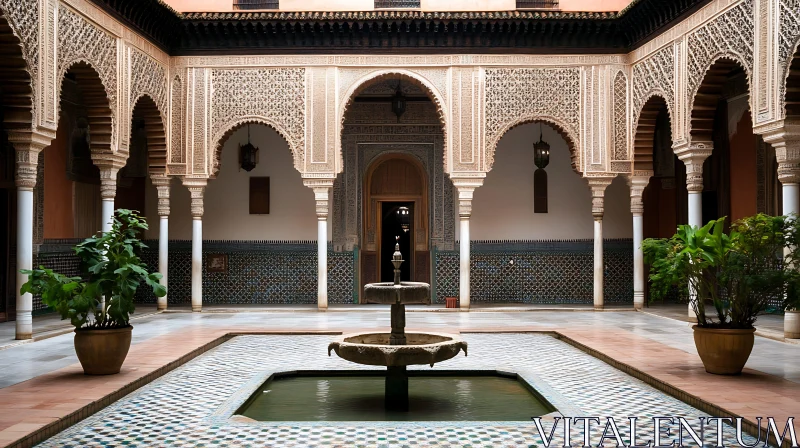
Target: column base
[(691, 316), (23, 336), (599, 307), (791, 325), (464, 308), (197, 309), (322, 308), (161, 308)]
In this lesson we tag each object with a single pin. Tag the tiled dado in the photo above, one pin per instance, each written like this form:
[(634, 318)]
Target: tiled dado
[(259, 272), (59, 256), (545, 272)]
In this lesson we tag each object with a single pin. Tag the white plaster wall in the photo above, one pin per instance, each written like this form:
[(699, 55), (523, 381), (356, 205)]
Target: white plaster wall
[(502, 208), (292, 210)]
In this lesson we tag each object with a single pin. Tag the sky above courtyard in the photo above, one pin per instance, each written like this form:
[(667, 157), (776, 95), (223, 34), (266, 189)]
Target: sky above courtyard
[(427, 5)]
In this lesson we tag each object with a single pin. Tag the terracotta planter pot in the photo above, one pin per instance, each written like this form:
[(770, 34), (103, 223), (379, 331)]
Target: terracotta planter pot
[(723, 352), (102, 352)]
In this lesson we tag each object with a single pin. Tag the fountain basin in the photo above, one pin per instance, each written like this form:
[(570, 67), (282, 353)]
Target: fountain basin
[(374, 349), (405, 293)]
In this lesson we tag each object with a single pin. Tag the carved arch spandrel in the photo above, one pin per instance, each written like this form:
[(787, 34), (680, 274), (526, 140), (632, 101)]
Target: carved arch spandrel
[(791, 72), (220, 138), (515, 96), (788, 46), (81, 42), (148, 78), (274, 96), (654, 76), (351, 88)]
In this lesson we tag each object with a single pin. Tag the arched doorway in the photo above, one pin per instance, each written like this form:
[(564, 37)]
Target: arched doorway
[(393, 181)]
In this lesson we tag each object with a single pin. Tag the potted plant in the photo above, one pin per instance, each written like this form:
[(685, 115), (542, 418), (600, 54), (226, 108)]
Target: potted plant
[(737, 274), (100, 302)]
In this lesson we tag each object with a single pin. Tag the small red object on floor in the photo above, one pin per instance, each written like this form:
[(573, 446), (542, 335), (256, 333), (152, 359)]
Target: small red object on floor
[(451, 302)]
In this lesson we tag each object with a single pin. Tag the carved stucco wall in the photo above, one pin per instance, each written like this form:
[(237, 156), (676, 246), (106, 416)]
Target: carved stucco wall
[(370, 131), (515, 96), (272, 96), (620, 129)]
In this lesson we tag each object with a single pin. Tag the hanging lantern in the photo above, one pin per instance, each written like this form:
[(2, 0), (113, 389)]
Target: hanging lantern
[(398, 102), (404, 216), (541, 152), (248, 154)]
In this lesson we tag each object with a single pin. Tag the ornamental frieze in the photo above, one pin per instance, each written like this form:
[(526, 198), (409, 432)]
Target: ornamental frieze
[(521, 95)]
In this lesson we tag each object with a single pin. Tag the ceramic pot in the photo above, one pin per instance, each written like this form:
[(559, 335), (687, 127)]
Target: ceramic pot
[(102, 352), (723, 352)]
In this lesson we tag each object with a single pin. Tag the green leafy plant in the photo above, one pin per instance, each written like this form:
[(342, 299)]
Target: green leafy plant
[(739, 273), (112, 272)]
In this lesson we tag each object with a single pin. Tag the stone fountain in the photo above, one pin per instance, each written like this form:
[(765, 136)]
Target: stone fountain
[(397, 349)]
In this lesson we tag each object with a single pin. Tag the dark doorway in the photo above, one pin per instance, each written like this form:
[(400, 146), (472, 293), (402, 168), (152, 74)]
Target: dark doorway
[(390, 229)]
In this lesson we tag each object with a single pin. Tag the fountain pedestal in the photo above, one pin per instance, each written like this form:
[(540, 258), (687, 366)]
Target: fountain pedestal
[(396, 350)]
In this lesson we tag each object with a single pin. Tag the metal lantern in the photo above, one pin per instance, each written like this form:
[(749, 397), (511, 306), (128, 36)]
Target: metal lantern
[(399, 102), (248, 153), (404, 216), (541, 152)]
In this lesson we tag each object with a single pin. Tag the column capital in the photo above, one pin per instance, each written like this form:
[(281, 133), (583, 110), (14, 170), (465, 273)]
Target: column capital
[(322, 191), (109, 164), (161, 182), (637, 182), (693, 155), (598, 186), (27, 146), (466, 190), (197, 187), (784, 137)]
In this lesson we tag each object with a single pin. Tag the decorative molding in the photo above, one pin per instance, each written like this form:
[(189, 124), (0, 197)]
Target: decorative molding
[(620, 118)]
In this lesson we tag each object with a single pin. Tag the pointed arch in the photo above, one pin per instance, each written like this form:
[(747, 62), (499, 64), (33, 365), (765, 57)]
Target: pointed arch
[(146, 109), (95, 98), (16, 86), (224, 134), (553, 122), (704, 96), (403, 75), (791, 97), (644, 133)]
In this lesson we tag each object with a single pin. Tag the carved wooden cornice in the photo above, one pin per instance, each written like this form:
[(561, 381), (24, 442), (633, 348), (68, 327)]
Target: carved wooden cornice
[(399, 31)]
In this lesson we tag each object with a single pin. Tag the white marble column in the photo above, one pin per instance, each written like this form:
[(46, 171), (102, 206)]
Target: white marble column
[(637, 184), (161, 183), (27, 153), (321, 196), (466, 190), (694, 156), (196, 189), (598, 187), (786, 142)]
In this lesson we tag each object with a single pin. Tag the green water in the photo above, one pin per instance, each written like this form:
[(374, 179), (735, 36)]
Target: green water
[(441, 398)]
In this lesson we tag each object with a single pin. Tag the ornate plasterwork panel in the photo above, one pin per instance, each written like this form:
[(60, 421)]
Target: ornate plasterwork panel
[(148, 77), (654, 76), (620, 117), (273, 96), (81, 41), (789, 40), (730, 35), (177, 122), (516, 96)]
